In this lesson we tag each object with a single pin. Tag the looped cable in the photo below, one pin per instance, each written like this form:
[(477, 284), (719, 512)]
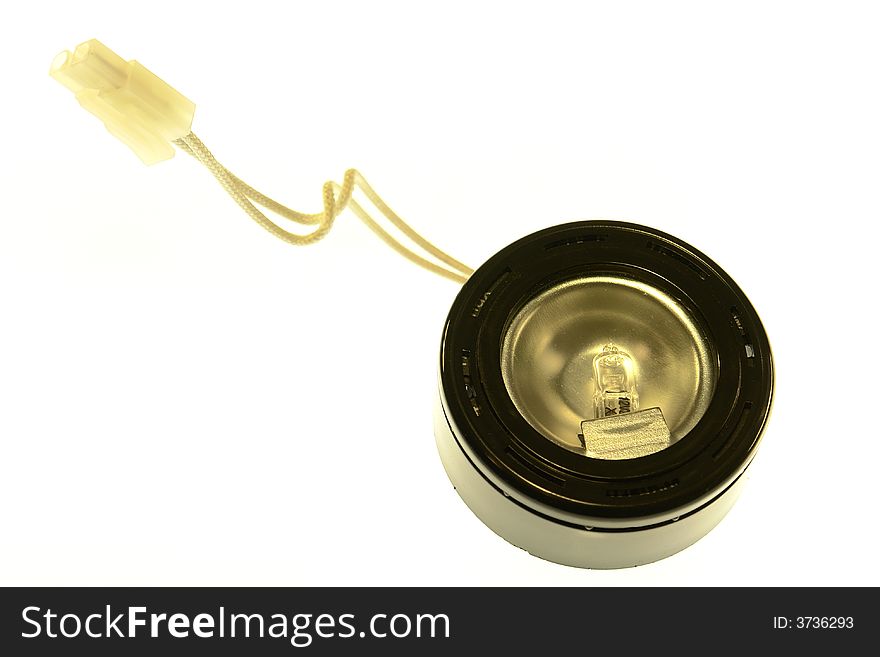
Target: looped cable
[(336, 198)]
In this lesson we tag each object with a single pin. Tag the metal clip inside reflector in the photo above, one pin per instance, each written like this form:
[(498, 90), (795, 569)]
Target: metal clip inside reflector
[(626, 436)]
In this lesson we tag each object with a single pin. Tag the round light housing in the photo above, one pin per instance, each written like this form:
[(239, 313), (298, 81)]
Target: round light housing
[(603, 387)]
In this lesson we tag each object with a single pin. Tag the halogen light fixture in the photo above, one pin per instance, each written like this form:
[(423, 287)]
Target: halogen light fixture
[(603, 388), (603, 385)]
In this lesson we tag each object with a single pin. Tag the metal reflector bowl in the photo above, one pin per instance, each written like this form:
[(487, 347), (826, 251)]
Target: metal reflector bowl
[(550, 345)]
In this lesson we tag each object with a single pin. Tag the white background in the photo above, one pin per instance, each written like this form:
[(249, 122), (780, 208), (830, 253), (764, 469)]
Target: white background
[(186, 400)]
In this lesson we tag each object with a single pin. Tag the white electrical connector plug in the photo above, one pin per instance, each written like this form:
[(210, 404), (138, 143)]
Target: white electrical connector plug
[(135, 105)]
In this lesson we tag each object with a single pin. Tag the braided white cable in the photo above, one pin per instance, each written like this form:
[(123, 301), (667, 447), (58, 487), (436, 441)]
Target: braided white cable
[(336, 199)]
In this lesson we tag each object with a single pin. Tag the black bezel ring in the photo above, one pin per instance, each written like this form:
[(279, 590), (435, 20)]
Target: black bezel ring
[(492, 432)]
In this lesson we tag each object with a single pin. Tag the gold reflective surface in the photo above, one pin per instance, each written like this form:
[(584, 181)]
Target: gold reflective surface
[(548, 352)]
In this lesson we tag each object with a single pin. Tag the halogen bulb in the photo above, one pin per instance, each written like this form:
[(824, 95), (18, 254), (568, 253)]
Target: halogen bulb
[(619, 430), (615, 378)]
